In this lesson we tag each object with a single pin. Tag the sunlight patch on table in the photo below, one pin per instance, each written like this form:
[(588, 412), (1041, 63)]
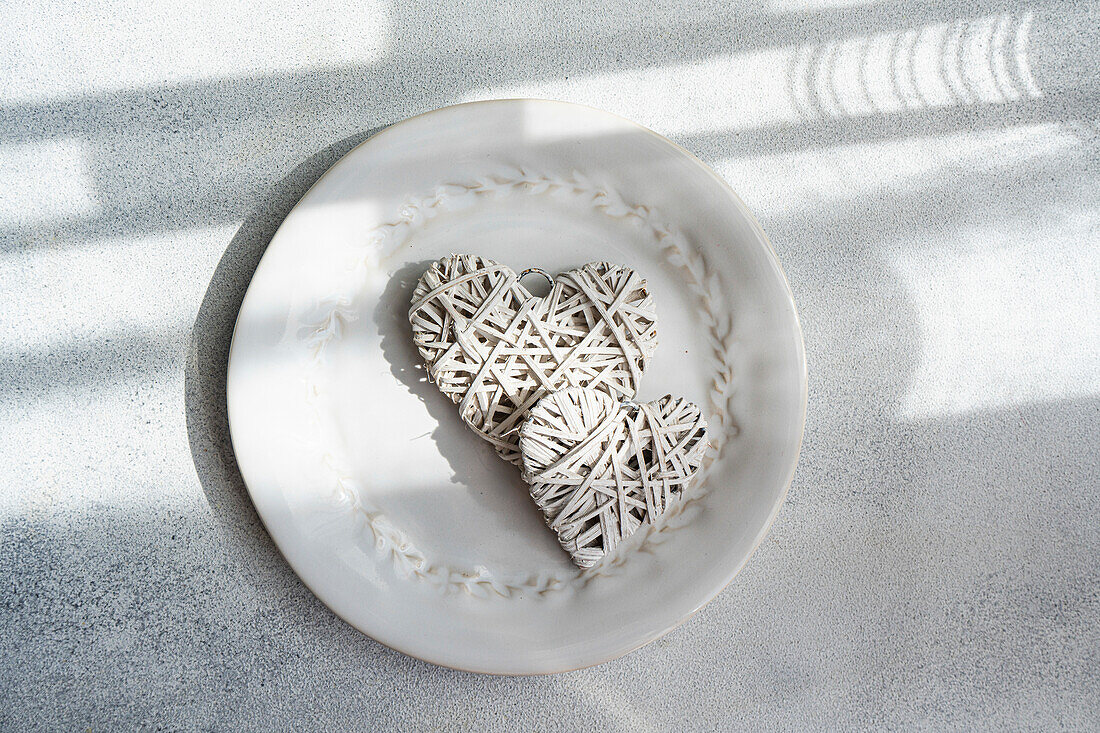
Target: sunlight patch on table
[(93, 448), (1014, 320), (139, 44), (108, 287), (810, 6), (785, 183), (44, 181), (981, 60)]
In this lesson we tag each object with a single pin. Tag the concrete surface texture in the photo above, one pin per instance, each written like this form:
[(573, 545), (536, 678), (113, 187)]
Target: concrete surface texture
[(929, 176)]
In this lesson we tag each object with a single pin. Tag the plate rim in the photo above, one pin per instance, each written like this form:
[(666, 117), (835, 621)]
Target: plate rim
[(801, 366)]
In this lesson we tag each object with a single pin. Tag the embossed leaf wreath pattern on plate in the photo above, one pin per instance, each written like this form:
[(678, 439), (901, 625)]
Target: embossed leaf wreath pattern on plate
[(336, 312)]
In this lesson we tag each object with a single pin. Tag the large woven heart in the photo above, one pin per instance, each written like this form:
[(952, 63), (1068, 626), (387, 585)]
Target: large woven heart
[(495, 349), (600, 469)]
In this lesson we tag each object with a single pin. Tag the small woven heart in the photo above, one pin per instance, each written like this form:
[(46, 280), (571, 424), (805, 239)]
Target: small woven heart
[(599, 469), (495, 349)]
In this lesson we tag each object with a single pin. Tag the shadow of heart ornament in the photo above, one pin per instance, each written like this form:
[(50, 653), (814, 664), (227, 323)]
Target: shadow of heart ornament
[(495, 349), (600, 469)]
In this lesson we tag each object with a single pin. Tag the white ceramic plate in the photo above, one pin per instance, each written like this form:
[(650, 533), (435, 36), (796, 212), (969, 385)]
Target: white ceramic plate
[(396, 515)]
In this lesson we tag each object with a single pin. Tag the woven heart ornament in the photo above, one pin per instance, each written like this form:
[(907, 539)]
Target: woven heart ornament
[(600, 469), (495, 349)]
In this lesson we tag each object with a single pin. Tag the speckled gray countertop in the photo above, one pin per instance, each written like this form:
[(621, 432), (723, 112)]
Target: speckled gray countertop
[(930, 179)]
